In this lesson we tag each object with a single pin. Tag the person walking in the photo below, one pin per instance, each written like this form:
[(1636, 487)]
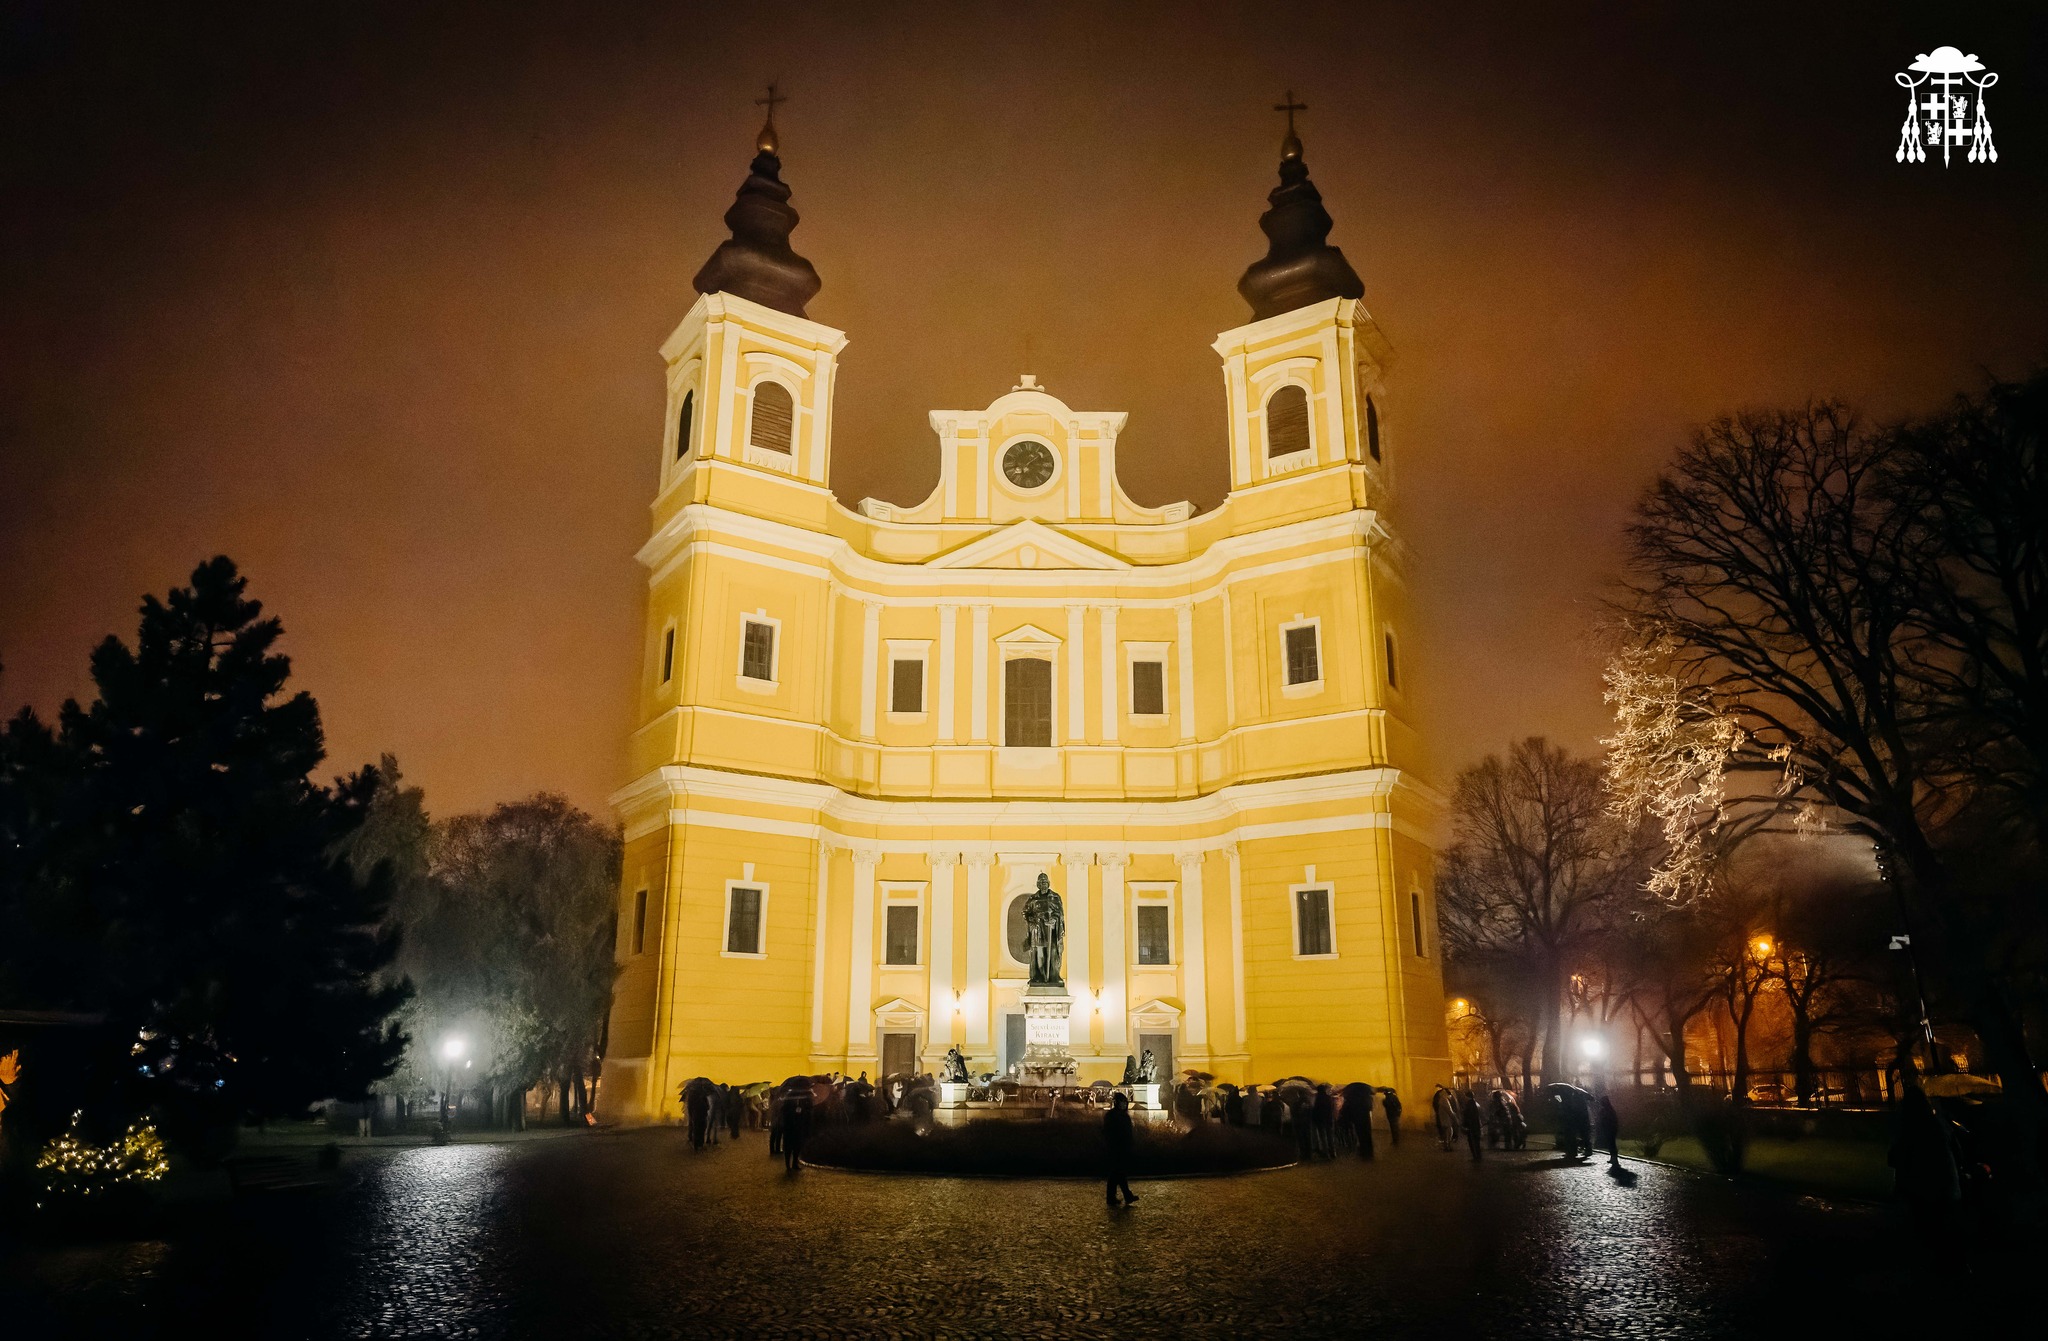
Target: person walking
[(1326, 1122), (1118, 1137), (1357, 1116), (1473, 1122), (1303, 1121), (1607, 1131), (1390, 1104), (778, 1108), (735, 1106)]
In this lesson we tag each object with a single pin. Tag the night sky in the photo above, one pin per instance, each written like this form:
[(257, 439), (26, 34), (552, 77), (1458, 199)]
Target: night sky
[(369, 298)]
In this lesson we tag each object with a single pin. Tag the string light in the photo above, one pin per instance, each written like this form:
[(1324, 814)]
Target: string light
[(70, 1165)]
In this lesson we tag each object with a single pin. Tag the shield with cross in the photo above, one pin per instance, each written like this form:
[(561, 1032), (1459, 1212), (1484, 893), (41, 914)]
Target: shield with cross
[(1945, 107)]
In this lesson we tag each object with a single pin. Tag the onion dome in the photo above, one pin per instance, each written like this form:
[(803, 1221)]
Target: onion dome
[(1300, 267), (756, 262)]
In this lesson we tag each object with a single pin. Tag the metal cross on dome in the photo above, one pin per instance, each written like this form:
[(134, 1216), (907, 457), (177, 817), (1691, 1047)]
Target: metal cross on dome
[(770, 101), (1290, 107)]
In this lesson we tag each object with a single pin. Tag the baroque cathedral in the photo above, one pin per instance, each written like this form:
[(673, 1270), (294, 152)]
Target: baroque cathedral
[(864, 733)]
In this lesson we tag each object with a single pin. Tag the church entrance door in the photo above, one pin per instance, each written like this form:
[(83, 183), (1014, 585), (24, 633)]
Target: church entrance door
[(1162, 1053), (899, 1054)]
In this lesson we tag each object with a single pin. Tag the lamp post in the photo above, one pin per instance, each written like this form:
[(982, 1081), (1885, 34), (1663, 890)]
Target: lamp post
[(452, 1048)]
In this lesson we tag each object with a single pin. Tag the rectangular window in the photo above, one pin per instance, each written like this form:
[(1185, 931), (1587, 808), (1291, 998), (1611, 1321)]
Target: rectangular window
[(1148, 688), (743, 921), (1415, 921), (906, 685), (1027, 702), (639, 921), (757, 655), (1304, 663), (1393, 671), (899, 934), (668, 655), (1155, 933), (1312, 922)]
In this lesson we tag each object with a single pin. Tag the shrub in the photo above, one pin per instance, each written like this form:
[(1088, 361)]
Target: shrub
[(71, 1168)]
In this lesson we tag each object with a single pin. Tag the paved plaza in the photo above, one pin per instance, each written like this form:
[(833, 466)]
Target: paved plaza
[(631, 1234)]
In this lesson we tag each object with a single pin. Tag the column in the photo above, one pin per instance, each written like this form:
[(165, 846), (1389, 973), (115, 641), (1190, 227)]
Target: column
[(978, 691), (1194, 967), (939, 992), (974, 996), (1184, 652), (1112, 701), (947, 617), (860, 992), (1079, 1033), (870, 637), (1229, 662), (1077, 676), (818, 929), (1237, 943), (1114, 961)]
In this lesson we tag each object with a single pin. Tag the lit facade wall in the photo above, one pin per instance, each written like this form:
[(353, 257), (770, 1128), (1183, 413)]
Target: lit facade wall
[(796, 789)]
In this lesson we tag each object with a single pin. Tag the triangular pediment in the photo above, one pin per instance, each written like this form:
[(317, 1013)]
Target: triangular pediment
[(1028, 634), (1156, 1009), (1028, 544)]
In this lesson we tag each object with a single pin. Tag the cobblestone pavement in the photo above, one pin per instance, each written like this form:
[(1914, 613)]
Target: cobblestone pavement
[(630, 1234)]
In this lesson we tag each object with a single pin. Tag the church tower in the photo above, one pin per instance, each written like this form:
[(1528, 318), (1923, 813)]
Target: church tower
[(865, 733)]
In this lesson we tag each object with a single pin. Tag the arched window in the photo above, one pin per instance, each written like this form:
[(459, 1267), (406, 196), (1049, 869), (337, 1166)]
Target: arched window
[(774, 418), (1372, 428), (683, 418), (1286, 422)]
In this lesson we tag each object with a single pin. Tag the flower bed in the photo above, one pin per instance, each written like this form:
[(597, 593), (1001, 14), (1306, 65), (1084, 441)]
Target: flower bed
[(1045, 1149)]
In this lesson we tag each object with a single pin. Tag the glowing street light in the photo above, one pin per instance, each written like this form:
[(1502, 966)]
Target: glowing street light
[(1593, 1046), (452, 1048), (1762, 946)]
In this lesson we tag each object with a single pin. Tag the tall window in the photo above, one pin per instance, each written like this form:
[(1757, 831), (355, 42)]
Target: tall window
[(1372, 428), (1393, 670), (774, 419), (899, 934), (1304, 663), (668, 655), (683, 424), (757, 652), (906, 685), (1148, 688), (1286, 422), (743, 921), (1155, 933), (1415, 921), (1027, 702), (1312, 922), (639, 921)]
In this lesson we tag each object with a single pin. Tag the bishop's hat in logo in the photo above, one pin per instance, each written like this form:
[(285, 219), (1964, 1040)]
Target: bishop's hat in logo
[(1943, 91)]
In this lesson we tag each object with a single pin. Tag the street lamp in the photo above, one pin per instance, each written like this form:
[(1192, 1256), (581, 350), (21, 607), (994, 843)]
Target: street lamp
[(452, 1048)]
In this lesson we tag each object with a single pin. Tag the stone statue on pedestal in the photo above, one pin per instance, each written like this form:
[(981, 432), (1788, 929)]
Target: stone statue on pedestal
[(1148, 1069), (956, 1067), (1131, 1071), (1046, 919)]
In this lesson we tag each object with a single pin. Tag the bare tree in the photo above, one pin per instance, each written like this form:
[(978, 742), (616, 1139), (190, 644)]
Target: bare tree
[(1777, 639), (1536, 859)]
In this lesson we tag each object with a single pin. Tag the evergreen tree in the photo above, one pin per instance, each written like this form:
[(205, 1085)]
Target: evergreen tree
[(191, 890)]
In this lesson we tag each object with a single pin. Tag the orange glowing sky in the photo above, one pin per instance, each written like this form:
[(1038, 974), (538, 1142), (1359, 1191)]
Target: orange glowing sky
[(369, 300)]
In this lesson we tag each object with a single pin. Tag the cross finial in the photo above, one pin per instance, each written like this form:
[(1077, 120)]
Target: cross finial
[(765, 141), (1291, 146), (1290, 107)]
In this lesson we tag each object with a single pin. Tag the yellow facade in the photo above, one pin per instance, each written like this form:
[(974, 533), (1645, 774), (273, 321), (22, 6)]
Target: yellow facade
[(865, 732)]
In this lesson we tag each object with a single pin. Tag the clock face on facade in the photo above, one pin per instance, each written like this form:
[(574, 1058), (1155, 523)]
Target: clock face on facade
[(1028, 464)]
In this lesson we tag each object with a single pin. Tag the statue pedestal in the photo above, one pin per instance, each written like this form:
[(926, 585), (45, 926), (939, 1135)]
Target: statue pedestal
[(952, 1093), (1145, 1096), (1047, 1061)]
